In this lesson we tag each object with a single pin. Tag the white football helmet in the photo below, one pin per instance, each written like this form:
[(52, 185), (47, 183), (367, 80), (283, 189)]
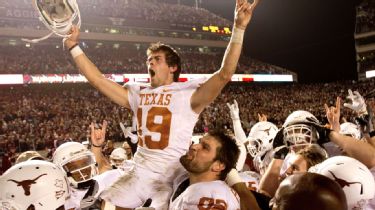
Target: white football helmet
[(6, 204), (58, 16), (350, 129), (77, 162), (34, 183), (354, 177), (117, 157), (29, 155), (261, 137), (298, 129)]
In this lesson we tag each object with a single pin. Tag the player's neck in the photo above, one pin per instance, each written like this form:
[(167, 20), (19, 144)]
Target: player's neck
[(202, 177)]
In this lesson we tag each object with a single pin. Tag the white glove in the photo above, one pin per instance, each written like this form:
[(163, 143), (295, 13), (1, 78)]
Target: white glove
[(145, 208), (126, 130), (128, 133), (234, 110), (123, 129), (358, 102)]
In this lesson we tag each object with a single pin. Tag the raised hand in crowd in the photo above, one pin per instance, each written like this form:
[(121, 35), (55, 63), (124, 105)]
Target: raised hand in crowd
[(357, 104), (333, 115), (98, 142), (262, 117)]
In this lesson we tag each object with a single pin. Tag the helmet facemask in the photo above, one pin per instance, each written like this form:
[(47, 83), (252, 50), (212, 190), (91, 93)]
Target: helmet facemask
[(300, 135), (58, 16), (80, 169)]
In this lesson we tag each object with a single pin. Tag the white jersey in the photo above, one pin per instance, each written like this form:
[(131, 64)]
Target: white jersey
[(251, 179), (207, 195), (165, 123), (76, 196), (371, 203), (104, 180)]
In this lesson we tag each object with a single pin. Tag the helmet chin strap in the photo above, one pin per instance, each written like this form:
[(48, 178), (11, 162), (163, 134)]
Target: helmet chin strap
[(59, 28)]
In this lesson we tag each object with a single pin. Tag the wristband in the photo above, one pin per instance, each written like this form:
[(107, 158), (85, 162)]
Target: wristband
[(70, 48), (233, 177), (237, 35), (75, 51)]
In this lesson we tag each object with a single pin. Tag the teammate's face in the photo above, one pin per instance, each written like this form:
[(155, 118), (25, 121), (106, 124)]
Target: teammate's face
[(297, 165), (160, 72), (200, 157), (80, 169)]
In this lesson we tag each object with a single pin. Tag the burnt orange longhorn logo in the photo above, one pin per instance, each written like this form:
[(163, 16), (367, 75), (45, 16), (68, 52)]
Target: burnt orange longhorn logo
[(26, 184)]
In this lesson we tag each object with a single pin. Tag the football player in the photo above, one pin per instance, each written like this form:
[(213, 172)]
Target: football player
[(166, 111), (208, 164)]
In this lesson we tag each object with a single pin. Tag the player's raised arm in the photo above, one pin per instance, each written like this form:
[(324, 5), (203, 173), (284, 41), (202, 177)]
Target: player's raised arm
[(212, 87), (111, 89)]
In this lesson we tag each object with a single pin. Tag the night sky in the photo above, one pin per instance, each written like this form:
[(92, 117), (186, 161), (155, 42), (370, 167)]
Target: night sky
[(314, 38)]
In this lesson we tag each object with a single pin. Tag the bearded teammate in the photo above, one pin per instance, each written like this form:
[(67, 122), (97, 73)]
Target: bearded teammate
[(166, 112), (207, 164)]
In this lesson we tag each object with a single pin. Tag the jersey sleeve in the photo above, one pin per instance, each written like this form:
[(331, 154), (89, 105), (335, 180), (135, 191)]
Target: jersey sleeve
[(133, 91)]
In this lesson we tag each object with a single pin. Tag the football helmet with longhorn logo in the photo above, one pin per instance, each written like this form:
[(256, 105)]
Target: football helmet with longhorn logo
[(33, 184), (77, 162), (261, 137), (354, 178)]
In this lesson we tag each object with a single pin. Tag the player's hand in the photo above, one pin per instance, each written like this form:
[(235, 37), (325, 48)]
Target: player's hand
[(357, 102), (98, 134), (333, 115), (262, 117), (73, 38), (125, 130), (279, 148), (243, 13), (322, 130), (234, 110)]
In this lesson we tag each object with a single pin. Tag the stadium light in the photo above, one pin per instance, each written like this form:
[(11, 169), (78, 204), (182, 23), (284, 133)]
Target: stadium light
[(370, 74)]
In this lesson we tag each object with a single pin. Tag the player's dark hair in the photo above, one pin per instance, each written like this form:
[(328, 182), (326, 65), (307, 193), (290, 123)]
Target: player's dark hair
[(171, 57), (227, 153)]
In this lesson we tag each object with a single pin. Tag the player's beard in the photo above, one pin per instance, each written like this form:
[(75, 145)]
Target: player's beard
[(192, 166)]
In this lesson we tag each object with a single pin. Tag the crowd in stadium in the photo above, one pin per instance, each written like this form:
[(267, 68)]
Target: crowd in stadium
[(128, 58), (153, 11), (44, 113), (42, 117)]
